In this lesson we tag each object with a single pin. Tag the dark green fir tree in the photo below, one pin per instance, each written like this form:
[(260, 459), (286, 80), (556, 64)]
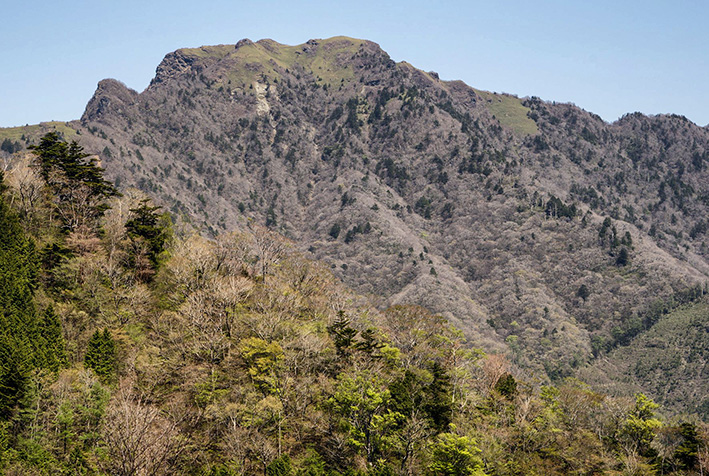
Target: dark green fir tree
[(101, 355)]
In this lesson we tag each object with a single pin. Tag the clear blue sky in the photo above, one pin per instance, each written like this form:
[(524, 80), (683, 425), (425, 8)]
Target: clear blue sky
[(609, 57)]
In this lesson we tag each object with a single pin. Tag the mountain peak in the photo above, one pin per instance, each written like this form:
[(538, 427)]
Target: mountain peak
[(239, 65), (110, 94), (243, 42)]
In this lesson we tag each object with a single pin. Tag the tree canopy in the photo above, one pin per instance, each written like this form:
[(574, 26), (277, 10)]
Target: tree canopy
[(74, 179)]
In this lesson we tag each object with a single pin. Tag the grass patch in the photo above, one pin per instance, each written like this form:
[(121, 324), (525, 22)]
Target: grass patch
[(264, 59), (218, 51), (32, 133), (509, 111)]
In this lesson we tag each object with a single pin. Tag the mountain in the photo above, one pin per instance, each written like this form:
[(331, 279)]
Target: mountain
[(133, 346), (536, 228)]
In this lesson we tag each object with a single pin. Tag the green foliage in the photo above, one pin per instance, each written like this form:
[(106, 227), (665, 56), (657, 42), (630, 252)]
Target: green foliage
[(10, 147), (507, 386), (623, 257), (271, 219), (343, 335), (149, 227), (388, 169), (377, 393), (368, 343), (51, 341), (357, 230), (438, 403), (627, 240), (74, 179), (280, 466), (335, 231), (18, 266), (14, 372), (687, 453), (346, 200), (555, 208), (406, 394), (101, 355), (352, 121), (26, 341), (453, 455), (423, 207), (638, 429), (605, 226), (361, 400), (430, 392), (313, 465), (263, 360), (447, 211)]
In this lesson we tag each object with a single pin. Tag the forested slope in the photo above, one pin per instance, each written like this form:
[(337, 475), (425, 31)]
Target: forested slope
[(132, 345), (536, 228)]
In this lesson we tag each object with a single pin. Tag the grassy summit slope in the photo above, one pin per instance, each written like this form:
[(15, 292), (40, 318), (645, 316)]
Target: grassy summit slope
[(510, 111), (267, 59), (33, 132)]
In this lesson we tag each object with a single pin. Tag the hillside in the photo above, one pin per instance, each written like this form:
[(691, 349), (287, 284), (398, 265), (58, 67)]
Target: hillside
[(673, 352), (536, 228), (131, 345)]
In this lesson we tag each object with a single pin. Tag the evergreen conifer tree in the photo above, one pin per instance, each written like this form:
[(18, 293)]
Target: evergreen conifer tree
[(101, 354), (53, 352), (75, 180), (147, 225), (18, 321), (439, 402)]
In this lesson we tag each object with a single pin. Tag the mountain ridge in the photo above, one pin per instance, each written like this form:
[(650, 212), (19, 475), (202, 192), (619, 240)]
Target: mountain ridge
[(422, 190)]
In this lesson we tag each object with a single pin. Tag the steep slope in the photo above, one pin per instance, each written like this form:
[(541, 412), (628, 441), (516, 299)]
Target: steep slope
[(130, 346), (535, 227), (669, 361)]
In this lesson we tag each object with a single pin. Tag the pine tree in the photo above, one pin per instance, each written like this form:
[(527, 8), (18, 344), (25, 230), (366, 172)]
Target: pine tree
[(342, 334), (15, 370), (74, 179), (439, 401), (18, 321), (687, 453), (101, 354), (507, 386), (149, 226), (623, 257), (52, 341)]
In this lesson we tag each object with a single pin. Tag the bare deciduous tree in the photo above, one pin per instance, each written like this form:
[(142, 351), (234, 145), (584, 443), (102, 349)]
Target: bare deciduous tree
[(26, 183), (270, 248), (141, 440)]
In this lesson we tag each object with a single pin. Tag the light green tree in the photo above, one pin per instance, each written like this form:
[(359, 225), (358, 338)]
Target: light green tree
[(263, 360), (454, 455), (639, 428), (362, 401)]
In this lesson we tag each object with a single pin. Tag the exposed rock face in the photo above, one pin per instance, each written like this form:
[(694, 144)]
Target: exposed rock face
[(244, 42), (490, 209), (111, 98), (173, 65)]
